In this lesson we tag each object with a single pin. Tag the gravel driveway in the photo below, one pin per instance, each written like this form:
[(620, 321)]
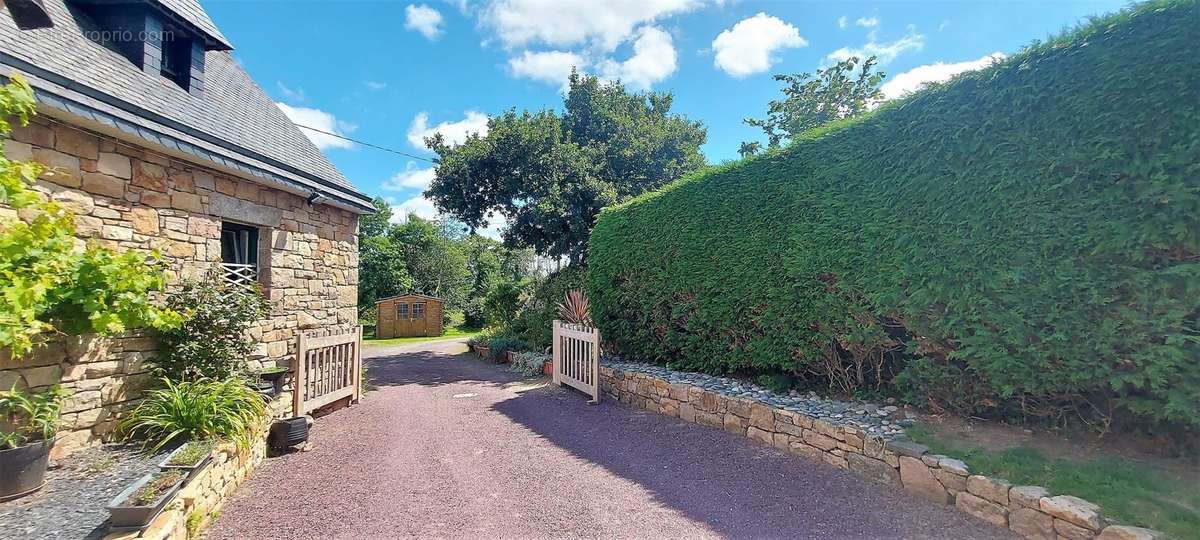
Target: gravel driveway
[(448, 446)]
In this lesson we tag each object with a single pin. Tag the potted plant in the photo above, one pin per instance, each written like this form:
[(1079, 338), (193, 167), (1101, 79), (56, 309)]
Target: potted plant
[(28, 423), (548, 367), (188, 458), (137, 506), (503, 345), (288, 432), (273, 374), (483, 351)]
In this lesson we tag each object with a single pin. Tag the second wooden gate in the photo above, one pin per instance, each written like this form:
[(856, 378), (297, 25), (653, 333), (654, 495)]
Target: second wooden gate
[(577, 358)]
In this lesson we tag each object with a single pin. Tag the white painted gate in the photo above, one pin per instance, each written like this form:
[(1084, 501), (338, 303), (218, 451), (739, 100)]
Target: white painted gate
[(576, 356)]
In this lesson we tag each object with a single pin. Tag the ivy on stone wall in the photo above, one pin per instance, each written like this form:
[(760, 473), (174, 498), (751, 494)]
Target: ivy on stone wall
[(1022, 241), (50, 281)]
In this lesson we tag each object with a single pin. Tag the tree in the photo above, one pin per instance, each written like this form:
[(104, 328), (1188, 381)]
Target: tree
[(749, 148), (382, 271), (435, 262), (550, 175), (841, 91), (376, 224)]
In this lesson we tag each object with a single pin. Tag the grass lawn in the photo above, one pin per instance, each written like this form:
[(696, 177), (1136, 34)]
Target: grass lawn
[(1128, 492), (451, 333)]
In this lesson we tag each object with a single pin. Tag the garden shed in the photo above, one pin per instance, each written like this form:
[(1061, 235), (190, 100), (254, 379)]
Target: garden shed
[(408, 315)]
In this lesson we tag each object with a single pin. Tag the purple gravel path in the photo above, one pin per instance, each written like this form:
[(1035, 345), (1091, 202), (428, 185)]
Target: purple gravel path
[(445, 448)]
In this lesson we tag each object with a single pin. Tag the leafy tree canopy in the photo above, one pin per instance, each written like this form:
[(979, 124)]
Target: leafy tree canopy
[(843, 90), (549, 174)]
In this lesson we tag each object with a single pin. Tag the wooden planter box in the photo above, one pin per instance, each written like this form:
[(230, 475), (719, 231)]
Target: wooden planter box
[(484, 352)]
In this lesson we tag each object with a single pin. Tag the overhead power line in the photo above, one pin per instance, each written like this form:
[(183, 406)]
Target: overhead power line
[(364, 143)]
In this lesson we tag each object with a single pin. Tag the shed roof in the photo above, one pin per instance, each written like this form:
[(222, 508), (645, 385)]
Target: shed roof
[(411, 295)]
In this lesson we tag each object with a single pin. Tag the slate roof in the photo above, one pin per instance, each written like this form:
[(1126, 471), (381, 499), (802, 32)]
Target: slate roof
[(233, 120), (195, 15)]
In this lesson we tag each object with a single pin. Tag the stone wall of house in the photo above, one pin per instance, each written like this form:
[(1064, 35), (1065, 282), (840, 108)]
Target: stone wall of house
[(1030, 511), (129, 198)]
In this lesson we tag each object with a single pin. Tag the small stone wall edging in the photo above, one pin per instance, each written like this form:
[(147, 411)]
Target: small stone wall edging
[(208, 490), (1030, 511)]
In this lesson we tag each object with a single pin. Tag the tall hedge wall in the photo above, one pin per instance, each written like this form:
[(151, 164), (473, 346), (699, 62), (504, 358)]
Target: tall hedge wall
[(1022, 240)]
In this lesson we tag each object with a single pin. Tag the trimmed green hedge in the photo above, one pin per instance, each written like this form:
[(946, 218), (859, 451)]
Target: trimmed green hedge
[(1024, 240)]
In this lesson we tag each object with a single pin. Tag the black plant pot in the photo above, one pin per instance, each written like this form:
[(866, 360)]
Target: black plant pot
[(266, 389), (289, 432), (23, 469)]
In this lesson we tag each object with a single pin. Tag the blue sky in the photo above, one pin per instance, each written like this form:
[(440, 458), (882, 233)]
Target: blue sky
[(388, 72)]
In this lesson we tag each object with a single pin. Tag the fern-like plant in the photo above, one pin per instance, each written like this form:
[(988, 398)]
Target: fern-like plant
[(576, 309), (196, 410)]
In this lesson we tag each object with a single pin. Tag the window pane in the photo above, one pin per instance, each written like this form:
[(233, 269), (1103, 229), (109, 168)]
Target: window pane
[(402, 311), (239, 244), (418, 312)]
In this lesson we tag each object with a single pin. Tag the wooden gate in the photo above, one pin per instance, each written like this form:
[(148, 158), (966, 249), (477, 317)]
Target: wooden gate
[(328, 368), (577, 358)]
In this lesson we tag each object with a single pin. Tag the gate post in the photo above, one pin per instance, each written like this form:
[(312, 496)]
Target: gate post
[(556, 352), (298, 375)]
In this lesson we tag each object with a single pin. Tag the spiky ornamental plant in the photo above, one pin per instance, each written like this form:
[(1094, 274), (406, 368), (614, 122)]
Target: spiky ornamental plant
[(576, 309)]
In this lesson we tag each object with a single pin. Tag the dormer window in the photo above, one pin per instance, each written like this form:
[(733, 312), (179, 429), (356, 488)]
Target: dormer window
[(176, 61), (161, 42)]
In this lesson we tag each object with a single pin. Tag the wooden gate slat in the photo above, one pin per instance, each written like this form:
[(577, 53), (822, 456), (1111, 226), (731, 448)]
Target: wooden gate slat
[(576, 357), (327, 369)]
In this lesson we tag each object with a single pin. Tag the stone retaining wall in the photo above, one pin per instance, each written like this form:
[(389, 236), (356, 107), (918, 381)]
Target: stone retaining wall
[(1030, 511), (128, 198)]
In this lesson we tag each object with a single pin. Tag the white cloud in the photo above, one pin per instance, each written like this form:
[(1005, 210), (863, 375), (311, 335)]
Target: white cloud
[(752, 44), (425, 209), (653, 60), (418, 205), (319, 120), (943, 25), (550, 66), (566, 23), (424, 19), (842, 22), (295, 95), (453, 132), (374, 86), (915, 78), (886, 52), (867, 22), (412, 177)]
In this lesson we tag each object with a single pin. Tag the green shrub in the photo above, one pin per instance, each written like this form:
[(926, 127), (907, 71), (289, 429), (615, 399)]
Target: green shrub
[(503, 342), (213, 341), (528, 363), (196, 410), (503, 304), (49, 283), (29, 417), (1021, 241), (537, 315)]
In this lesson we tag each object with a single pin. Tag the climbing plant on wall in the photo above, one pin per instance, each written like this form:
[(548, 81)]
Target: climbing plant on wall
[(50, 281)]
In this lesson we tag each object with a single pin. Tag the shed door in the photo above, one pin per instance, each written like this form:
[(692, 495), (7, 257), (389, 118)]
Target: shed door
[(418, 319)]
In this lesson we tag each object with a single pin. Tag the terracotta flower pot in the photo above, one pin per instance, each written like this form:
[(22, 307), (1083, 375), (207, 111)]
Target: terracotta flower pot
[(507, 357), (548, 367), (484, 352)]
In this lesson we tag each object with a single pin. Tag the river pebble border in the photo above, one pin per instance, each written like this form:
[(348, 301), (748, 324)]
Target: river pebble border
[(862, 439)]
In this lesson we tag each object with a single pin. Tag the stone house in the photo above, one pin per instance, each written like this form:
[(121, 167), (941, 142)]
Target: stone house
[(159, 140)]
